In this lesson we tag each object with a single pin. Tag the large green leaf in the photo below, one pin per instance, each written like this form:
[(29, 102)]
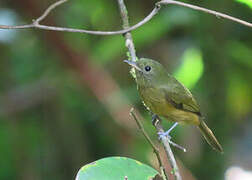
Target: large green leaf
[(116, 168)]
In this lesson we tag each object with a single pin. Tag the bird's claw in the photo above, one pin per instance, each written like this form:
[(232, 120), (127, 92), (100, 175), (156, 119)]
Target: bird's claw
[(162, 135), (166, 134)]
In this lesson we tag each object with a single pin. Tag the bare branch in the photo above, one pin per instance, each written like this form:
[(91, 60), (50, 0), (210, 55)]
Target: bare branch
[(128, 37), (36, 24), (49, 9), (17, 27), (155, 149), (156, 9), (217, 14), (166, 143)]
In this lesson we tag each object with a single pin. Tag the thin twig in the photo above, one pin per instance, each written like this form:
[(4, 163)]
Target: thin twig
[(217, 14), (36, 23), (28, 26), (156, 9), (155, 149), (166, 142), (49, 9), (128, 37)]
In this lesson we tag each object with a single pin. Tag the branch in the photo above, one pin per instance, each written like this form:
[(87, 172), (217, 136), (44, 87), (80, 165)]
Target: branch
[(128, 37), (155, 149), (36, 22), (166, 143), (48, 10), (217, 14)]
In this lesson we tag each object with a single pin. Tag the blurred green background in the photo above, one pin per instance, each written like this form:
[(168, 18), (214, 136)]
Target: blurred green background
[(65, 97)]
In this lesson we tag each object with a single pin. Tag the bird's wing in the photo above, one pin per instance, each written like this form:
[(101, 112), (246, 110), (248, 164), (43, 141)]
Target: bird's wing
[(180, 97)]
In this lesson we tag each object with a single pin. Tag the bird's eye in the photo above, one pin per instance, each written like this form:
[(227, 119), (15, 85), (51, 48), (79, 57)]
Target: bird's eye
[(147, 68)]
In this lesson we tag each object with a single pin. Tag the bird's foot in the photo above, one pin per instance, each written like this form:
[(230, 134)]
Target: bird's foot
[(162, 135)]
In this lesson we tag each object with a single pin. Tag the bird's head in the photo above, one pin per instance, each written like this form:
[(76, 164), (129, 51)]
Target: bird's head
[(148, 71)]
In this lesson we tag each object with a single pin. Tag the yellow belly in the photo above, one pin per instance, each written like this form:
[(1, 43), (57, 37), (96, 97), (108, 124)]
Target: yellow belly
[(182, 117), (157, 103)]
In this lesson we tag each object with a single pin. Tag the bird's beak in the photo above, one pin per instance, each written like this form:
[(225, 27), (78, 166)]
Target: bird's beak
[(133, 64)]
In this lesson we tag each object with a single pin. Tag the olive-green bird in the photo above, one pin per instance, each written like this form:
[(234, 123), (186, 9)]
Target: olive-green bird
[(167, 97)]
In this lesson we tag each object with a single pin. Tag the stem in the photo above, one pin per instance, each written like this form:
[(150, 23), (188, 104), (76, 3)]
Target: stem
[(128, 37), (166, 143), (155, 149)]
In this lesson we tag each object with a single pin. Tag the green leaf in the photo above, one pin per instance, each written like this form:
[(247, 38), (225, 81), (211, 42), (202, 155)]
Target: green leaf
[(116, 168), (247, 2)]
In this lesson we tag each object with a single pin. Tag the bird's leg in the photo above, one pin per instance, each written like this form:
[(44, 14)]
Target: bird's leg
[(154, 119), (168, 131)]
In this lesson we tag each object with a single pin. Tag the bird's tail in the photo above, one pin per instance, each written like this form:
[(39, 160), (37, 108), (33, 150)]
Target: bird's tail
[(209, 136)]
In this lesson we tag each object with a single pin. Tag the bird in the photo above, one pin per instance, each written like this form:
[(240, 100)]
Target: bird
[(166, 97)]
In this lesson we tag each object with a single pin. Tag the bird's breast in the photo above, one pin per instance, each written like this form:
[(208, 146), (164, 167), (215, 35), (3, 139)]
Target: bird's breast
[(155, 100)]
